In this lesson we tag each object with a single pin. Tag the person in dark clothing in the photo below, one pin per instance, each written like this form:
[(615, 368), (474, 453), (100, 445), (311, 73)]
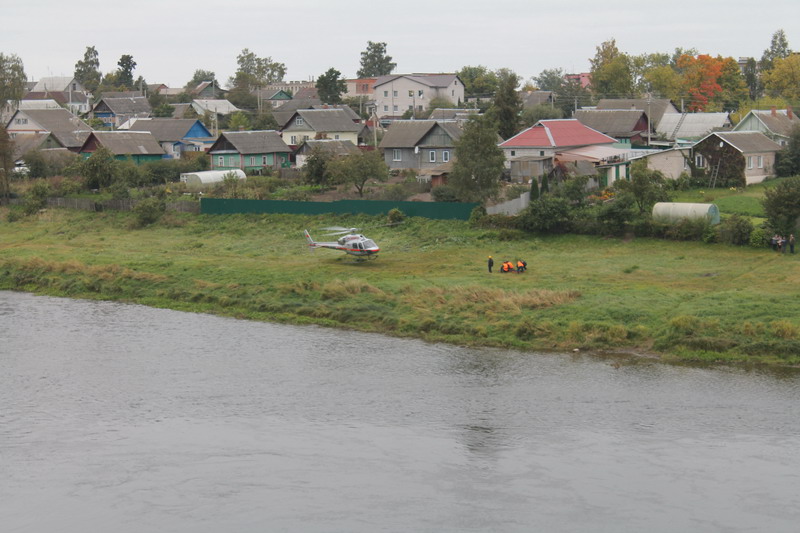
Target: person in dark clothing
[(791, 242), (490, 264)]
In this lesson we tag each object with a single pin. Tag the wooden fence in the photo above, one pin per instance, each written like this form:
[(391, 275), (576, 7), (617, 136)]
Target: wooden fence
[(87, 204)]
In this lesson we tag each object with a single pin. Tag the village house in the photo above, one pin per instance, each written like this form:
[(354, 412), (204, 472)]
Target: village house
[(628, 126), (65, 90), (419, 144), (331, 123), (175, 135), (774, 123), (251, 151), (671, 162), (397, 93), (654, 108), (65, 129), (138, 146), (745, 157), (547, 137), (330, 147), (688, 127), (115, 111)]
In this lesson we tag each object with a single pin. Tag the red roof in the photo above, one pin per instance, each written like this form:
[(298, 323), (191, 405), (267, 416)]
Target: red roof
[(557, 134)]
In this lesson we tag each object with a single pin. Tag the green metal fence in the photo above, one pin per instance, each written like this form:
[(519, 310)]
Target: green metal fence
[(433, 210)]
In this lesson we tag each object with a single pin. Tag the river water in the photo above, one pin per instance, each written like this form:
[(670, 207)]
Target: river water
[(124, 418)]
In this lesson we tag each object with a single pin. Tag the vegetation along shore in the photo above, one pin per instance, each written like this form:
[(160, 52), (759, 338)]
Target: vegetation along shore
[(682, 301)]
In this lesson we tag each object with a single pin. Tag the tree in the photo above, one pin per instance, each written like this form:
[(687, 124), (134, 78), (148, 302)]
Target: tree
[(642, 64), (255, 72), (751, 78), (330, 86), (532, 115), (126, 66), (358, 169), (87, 70), (99, 168), (375, 62), (6, 164), (12, 79), (163, 110), (784, 78), (315, 170), (478, 161), (788, 163), (573, 95), (645, 186), (778, 49), (611, 72), (782, 205), (199, 77), (507, 105), (478, 81), (550, 80), (732, 82), (663, 82), (701, 80), (239, 122)]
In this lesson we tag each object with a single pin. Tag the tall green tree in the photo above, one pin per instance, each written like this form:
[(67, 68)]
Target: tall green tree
[(330, 86), (788, 163), (478, 81), (778, 49), (507, 105), (315, 170), (87, 70), (6, 164), (239, 121), (646, 186), (12, 78), (358, 169), (611, 72), (782, 205), (199, 77), (752, 79), (375, 62), (784, 78), (732, 82), (126, 66), (550, 80), (478, 162), (254, 72), (99, 168)]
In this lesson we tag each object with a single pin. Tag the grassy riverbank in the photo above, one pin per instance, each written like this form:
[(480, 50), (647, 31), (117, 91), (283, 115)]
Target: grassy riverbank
[(685, 301)]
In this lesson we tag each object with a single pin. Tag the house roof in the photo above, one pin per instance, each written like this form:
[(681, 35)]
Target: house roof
[(557, 133), (44, 103), (452, 114), (53, 83), (284, 113), (221, 107), (325, 120), (346, 108), (431, 80), (533, 98), (655, 107), (22, 144), (253, 142), (779, 122), (305, 93), (747, 142), (62, 97), (130, 105), (180, 109), (165, 129), (593, 153), (331, 146), (69, 130), (613, 122), (127, 142), (693, 126), (409, 133)]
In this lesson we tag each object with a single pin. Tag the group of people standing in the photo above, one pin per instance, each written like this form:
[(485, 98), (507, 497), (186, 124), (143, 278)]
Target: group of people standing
[(780, 243), (508, 266)]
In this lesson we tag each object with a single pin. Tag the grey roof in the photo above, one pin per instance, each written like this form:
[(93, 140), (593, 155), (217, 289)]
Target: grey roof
[(180, 109), (614, 122), (533, 98), (332, 146), (693, 126), (655, 108), (69, 130), (284, 113), (452, 114), (128, 142), (253, 142), (221, 107), (326, 120), (409, 133), (165, 129), (27, 142), (127, 105), (748, 142), (431, 80), (346, 108), (53, 83)]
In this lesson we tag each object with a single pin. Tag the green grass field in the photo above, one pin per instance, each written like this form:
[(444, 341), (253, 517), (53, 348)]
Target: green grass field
[(684, 301)]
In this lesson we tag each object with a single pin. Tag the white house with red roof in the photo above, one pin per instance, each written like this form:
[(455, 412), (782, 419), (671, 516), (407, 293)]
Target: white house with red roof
[(547, 137)]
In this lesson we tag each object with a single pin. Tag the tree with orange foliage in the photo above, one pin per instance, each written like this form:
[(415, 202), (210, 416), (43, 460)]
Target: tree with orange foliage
[(701, 80)]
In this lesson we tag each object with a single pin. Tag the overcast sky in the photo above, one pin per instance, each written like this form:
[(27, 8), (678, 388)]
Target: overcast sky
[(170, 40)]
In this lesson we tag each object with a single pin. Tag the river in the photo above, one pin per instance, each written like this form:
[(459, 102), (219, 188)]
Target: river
[(125, 418)]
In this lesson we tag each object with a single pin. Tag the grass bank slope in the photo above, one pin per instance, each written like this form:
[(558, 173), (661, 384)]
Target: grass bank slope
[(685, 301)]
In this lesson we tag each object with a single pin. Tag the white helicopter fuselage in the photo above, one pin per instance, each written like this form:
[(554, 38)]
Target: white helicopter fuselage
[(353, 244)]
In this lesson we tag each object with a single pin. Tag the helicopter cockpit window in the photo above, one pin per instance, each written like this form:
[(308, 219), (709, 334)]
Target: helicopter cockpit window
[(369, 243)]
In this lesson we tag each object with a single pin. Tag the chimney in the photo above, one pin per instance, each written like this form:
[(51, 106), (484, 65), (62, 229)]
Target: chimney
[(789, 112), (774, 111)]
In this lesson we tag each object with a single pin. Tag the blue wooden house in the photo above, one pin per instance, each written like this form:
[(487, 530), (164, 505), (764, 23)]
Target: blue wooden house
[(176, 135)]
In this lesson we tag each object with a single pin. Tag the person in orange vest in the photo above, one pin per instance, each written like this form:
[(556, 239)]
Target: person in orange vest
[(522, 266), (508, 266)]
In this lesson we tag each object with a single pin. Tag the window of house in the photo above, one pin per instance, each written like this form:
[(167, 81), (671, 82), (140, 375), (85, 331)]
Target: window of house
[(541, 153), (761, 161), (394, 108), (221, 161), (445, 156), (749, 162), (293, 139), (432, 156), (410, 107), (411, 94), (305, 137), (394, 93), (386, 108), (419, 108), (336, 136), (252, 160), (699, 161), (421, 93), (513, 153), (264, 160), (21, 121), (298, 121), (385, 93), (396, 155)]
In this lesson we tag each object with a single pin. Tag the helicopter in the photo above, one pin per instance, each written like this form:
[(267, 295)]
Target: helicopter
[(351, 242)]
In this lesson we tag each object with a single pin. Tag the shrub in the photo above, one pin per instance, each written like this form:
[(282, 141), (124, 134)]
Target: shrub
[(395, 216), (148, 211), (735, 230), (36, 198), (759, 237), (444, 193), (548, 214)]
